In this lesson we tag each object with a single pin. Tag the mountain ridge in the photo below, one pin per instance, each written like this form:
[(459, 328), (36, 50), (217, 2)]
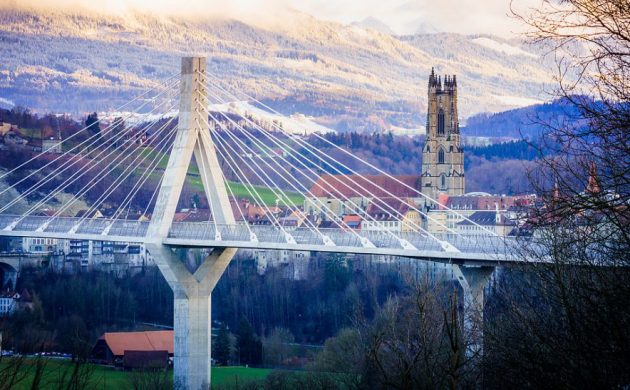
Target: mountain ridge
[(347, 77)]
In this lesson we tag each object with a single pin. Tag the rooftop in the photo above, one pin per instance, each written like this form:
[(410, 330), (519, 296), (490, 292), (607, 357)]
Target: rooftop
[(350, 186)]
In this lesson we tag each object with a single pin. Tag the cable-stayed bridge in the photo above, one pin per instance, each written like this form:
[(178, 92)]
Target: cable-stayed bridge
[(141, 167)]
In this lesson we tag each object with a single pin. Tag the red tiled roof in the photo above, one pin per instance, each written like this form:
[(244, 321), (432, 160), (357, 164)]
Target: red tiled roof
[(119, 342), (348, 186)]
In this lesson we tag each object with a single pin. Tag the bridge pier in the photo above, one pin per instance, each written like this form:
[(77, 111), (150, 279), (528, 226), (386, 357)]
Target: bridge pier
[(473, 281), (192, 322), (192, 290)]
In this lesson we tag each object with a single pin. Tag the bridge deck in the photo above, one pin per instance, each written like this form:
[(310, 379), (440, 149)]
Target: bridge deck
[(453, 248)]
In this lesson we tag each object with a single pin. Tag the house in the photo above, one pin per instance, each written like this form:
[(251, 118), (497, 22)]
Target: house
[(52, 145), (386, 214), (8, 302), (44, 246), (145, 360), (452, 210), (14, 137), (112, 347), (352, 221), (483, 222)]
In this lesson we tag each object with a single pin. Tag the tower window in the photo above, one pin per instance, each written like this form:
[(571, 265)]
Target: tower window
[(443, 181), (441, 156), (440, 128)]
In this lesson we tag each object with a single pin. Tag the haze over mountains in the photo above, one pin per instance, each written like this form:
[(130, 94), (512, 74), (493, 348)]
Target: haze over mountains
[(347, 77)]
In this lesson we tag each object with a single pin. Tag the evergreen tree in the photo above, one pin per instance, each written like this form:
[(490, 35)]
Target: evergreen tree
[(92, 123), (222, 346), (117, 128), (249, 347)]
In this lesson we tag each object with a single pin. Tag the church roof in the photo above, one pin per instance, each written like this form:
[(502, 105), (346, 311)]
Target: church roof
[(351, 186)]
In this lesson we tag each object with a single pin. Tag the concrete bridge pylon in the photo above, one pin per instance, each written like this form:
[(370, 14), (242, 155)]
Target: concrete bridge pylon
[(192, 290)]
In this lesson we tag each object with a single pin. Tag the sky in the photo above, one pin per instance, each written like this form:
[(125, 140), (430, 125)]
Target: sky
[(402, 16)]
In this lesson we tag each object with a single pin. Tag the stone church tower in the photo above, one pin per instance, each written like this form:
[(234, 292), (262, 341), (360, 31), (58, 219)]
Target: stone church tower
[(442, 156)]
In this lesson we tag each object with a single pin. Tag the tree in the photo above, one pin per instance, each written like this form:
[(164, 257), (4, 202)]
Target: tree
[(566, 326), (117, 129), (92, 123), (413, 342), (276, 347), (249, 347), (222, 346)]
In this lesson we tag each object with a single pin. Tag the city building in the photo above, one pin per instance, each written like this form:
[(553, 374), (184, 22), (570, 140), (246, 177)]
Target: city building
[(8, 302), (484, 222)]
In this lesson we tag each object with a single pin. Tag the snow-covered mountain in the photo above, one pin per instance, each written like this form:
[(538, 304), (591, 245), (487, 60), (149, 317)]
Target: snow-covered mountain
[(374, 24), (347, 77)]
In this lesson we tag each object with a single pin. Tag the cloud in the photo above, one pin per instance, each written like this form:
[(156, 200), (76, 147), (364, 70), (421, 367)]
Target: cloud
[(403, 16), (244, 10), (406, 16)]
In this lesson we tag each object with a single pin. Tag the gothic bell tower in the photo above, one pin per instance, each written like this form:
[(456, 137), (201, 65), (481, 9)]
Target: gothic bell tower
[(442, 156)]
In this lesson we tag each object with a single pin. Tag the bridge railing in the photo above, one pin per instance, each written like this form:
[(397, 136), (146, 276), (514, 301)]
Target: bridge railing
[(206, 231), (485, 244), (96, 226)]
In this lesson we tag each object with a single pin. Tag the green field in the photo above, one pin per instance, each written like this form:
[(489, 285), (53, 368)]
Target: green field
[(102, 377), (241, 191)]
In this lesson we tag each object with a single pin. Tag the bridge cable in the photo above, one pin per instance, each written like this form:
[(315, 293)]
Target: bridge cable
[(376, 199), (310, 148), (281, 144), (362, 160), (92, 139), (125, 174), (93, 164), (285, 198), (258, 143), (249, 187), (139, 184)]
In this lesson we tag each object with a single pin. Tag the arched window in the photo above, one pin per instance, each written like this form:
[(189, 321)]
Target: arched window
[(440, 128), (443, 181), (441, 156)]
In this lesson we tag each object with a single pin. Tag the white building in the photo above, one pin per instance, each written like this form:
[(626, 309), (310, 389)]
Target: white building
[(296, 262), (44, 246), (483, 222), (8, 302)]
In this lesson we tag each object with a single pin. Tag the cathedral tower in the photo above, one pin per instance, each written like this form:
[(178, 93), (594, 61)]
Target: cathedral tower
[(442, 156)]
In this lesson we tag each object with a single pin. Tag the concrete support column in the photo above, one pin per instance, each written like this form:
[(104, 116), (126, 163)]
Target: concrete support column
[(473, 281), (192, 326)]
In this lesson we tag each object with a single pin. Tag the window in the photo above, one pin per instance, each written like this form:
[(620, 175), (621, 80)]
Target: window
[(440, 128), (443, 181), (441, 156)]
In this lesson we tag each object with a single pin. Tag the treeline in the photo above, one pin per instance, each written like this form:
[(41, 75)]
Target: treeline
[(514, 150), (49, 125), (71, 311), (500, 168)]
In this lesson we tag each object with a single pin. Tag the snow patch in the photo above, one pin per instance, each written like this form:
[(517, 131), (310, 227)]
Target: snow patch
[(503, 47), (6, 103), (517, 101), (297, 123), (396, 130)]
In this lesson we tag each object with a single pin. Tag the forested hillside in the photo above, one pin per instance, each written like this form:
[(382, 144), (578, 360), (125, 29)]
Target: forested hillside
[(348, 77)]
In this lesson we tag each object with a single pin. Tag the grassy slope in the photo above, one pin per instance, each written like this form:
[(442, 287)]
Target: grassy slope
[(106, 378)]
